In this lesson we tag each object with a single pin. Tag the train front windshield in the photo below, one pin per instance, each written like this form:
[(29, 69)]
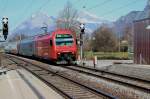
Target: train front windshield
[(64, 39)]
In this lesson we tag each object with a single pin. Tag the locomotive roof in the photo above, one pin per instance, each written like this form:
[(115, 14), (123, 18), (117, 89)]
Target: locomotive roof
[(57, 30), (46, 34)]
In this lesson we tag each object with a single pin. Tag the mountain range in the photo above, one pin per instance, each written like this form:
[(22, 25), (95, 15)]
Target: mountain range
[(127, 20), (32, 26)]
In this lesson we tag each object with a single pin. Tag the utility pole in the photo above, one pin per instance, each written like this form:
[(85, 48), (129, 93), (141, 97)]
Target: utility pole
[(82, 27), (1, 32), (45, 27), (119, 43)]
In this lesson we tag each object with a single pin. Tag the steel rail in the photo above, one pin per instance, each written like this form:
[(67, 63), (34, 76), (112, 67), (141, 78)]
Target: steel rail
[(111, 79), (65, 95), (87, 87)]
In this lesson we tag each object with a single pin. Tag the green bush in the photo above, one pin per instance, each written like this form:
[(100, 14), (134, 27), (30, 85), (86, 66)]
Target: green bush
[(107, 55)]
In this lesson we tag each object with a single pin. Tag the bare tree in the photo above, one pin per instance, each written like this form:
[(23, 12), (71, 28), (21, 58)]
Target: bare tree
[(67, 18)]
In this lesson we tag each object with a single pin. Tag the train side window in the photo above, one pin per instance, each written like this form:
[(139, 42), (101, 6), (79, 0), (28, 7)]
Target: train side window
[(51, 43)]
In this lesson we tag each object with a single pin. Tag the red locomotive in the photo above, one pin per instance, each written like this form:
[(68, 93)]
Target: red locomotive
[(57, 46)]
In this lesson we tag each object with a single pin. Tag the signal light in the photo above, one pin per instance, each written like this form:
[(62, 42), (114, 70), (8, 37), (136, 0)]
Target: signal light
[(82, 27), (5, 27)]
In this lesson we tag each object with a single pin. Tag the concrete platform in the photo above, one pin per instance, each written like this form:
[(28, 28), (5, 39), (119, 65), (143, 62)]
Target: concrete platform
[(20, 84)]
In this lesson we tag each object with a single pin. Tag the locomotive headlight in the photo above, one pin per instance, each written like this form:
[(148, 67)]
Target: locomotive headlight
[(73, 52)]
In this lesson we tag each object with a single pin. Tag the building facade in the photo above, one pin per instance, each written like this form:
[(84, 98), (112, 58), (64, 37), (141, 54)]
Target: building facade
[(142, 41)]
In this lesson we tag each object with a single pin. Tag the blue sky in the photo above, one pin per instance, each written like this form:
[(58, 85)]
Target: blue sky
[(19, 10)]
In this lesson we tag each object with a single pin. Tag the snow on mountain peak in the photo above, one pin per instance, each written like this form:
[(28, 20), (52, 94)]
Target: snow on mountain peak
[(87, 17)]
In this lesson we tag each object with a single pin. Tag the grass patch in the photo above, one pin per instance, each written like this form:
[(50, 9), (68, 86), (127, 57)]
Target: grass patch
[(107, 55)]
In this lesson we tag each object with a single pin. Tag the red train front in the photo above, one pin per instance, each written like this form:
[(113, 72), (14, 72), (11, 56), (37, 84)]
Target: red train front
[(57, 46)]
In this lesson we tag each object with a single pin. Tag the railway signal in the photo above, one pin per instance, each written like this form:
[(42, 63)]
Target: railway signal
[(5, 27), (82, 27)]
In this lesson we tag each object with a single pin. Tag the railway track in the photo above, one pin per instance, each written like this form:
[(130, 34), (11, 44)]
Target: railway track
[(133, 82), (67, 87)]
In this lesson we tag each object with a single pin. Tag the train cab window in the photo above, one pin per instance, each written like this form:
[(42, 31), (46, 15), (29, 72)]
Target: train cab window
[(51, 43), (64, 40)]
